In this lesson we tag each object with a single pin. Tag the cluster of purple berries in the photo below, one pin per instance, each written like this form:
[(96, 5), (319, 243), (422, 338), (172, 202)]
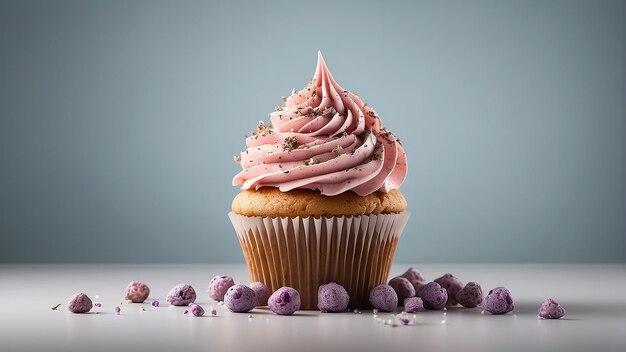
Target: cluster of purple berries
[(236, 297), (241, 298), (411, 290), (136, 292)]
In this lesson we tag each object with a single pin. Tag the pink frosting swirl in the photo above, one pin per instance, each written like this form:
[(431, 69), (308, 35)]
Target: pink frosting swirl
[(324, 138)]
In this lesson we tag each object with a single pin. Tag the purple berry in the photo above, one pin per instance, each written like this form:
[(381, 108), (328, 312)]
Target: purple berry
[(415, 277), (403, 287), (452, 284), (136, 292), (413, 305), (498, 301), (196, 310), (79, 303), (550, 310), (470, 296), (332, 297), (384, 298), (434, 296), (181, 295), (219, 285), (240, 299), (262, 293), (285, 301)]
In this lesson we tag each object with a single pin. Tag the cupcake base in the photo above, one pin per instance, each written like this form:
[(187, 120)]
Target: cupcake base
[(306, 252)]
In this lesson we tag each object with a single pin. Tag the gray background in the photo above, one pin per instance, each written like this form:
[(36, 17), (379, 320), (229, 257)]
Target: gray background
[(119, 121)]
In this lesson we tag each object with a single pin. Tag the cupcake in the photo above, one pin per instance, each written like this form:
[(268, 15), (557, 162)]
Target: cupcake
[(320, 200)]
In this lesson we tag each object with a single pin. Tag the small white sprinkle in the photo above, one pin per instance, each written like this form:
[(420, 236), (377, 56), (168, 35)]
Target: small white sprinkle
[(444, 314), (443, 321), (389, 322), (482, 312), (445, 308), (221, 303), (97, 296), (375, 311), (357, 311), (414, 316), (514, 315)]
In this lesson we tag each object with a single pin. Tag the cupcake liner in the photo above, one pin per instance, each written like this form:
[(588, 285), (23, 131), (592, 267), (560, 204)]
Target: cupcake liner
[(304, 253)]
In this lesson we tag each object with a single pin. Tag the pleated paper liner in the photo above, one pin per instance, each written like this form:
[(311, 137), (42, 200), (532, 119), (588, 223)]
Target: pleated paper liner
[(304, 253)]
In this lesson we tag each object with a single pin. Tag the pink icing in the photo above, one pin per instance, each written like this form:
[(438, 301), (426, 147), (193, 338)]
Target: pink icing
[(324, 138)]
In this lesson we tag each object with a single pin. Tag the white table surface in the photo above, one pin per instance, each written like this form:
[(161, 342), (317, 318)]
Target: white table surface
[(593, 295)]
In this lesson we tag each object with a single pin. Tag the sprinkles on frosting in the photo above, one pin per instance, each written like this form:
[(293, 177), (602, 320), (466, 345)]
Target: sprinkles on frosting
[(329, 122), (291, 143)]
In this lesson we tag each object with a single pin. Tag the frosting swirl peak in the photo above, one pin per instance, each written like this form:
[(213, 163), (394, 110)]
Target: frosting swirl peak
[(324, 138)]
